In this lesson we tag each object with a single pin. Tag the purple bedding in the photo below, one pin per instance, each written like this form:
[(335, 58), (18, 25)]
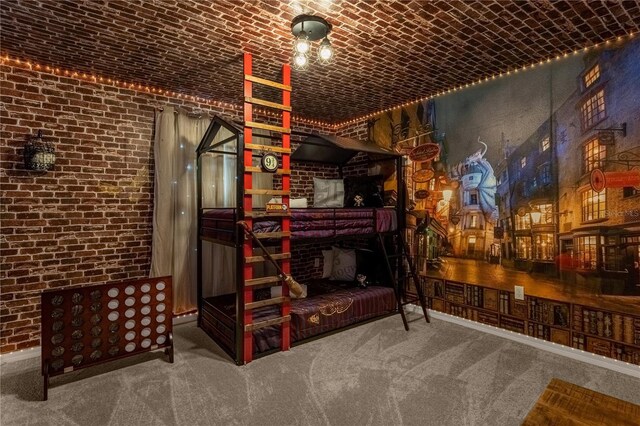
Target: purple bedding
[(306, 223), (330, 310)]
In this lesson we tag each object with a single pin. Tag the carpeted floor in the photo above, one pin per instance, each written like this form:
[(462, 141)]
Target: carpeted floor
[(375, 374)]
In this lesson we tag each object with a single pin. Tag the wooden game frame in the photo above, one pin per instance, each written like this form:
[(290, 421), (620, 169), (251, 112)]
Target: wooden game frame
[(95, 324)]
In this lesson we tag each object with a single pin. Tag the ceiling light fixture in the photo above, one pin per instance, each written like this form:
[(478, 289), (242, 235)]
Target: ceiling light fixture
[(308, 28)]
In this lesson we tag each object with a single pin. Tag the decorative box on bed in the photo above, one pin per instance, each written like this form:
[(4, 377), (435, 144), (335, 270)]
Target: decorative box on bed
[(224, 312)]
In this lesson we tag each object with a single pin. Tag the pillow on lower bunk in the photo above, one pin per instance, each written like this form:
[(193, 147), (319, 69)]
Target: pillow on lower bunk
[(344, 265), (276, 291), (328, 192), (327, 263)]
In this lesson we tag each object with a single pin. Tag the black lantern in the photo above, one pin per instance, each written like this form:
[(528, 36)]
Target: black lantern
[(39, 155)]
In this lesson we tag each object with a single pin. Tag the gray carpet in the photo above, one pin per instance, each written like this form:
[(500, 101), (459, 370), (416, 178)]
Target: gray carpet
[(375, 374)]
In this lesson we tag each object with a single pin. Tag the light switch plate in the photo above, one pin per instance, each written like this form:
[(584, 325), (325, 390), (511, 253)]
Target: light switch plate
[(519, 290)]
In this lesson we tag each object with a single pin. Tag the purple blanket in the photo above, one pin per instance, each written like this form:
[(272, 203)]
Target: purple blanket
[(306, 223)]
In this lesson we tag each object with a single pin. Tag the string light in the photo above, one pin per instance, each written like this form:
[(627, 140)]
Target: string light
[(298, 119), (486, 78)]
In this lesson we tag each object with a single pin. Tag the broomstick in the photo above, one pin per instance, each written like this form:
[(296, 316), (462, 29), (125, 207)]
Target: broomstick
[(293, 285)]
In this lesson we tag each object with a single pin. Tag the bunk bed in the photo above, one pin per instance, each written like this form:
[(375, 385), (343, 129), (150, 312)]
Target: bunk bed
[(329, 305), (245, 319)]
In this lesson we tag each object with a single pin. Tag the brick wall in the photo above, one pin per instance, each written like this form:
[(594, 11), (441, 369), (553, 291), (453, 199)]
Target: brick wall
[(89, 220)]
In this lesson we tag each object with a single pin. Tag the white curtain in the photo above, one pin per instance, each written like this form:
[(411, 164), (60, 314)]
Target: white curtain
[(219, 191), (174, 244)]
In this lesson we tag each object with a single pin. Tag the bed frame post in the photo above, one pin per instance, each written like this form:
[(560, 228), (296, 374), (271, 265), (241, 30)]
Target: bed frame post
[(245, 317), (199, 225), (402, 222)]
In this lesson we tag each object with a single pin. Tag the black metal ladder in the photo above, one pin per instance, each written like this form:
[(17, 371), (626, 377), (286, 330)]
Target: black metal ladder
[(398, 278)]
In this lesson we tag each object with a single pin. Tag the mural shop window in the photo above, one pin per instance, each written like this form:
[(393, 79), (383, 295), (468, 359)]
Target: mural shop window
[(523, 247), (629, 191), (523, 162), (611, 256), (471, 244), (542, 214), (544, 247), (593, 110), (545, 144), (594, 205), (432, 185), (474, 221), (523, 222), (591, 76), (586, 252), (593, 155)]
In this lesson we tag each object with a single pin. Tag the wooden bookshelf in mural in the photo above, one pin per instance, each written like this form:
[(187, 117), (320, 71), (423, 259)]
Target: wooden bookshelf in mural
[(610, 334)]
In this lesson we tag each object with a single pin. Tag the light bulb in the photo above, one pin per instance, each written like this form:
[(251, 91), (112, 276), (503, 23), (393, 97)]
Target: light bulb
[(302, 43), (325, 52), (300, 61)]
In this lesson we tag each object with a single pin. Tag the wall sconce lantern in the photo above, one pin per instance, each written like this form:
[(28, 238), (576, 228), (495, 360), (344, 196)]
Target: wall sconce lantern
[(308, 28), (39, 155)]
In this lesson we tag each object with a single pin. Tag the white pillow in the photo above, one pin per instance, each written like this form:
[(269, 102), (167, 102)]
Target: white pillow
[(344, 265), (276, 291), (328, 192), (327, 263), (294, 203)]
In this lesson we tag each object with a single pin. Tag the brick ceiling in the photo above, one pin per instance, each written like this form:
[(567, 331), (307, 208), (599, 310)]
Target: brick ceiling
[(387, 52)]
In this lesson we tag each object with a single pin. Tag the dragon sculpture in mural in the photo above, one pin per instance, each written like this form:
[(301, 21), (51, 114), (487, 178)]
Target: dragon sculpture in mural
[(477, 165)]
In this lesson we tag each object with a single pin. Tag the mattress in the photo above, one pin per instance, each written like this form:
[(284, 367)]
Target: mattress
[(326, 309), (305, 223)]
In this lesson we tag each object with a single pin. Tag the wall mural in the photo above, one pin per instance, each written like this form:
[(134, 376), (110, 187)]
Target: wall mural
[(537, 177)]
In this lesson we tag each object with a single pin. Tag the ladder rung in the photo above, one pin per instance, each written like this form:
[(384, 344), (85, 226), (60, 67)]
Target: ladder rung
[(255, 125), (262, 280), (254, 169), (267, 148), (267, 323), (265, 214), (267, 302), (266, 82), (265, 235), (277, 256), (269, 104), (265, 192)]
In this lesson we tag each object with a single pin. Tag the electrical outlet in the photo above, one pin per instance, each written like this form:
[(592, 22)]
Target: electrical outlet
[(316, 262), (519, 290)]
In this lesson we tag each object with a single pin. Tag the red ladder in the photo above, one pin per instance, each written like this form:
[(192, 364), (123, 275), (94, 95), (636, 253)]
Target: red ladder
[(250, 283)]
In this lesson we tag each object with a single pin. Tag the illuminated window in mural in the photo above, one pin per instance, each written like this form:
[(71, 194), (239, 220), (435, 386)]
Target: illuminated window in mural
[(523, 247), (593, 155), (523, 222), (594, 205), (474, 221), (593, 109), (586, 252), (545, 144), (523, 162), (591, 76), (542, 215), (544, 247)]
